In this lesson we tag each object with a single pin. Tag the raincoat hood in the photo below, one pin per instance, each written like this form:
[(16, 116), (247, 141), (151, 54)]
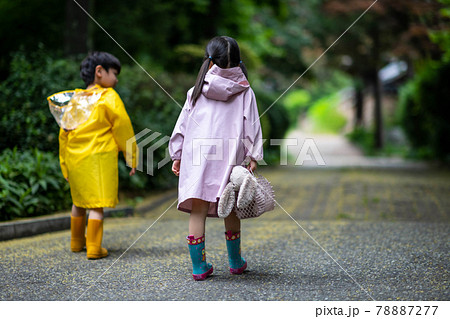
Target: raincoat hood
[(221, 84)]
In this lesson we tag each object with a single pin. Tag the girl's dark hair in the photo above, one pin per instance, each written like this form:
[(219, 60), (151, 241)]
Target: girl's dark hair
[(105, 59), (223, 51)]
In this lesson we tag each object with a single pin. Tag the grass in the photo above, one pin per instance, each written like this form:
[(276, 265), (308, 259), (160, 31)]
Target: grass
[(343, 216), (364, 139)]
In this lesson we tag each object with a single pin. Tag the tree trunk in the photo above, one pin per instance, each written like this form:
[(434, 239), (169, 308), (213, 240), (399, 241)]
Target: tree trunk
[(376, 88), (359, 102), (378, 111), (77, 27), (213, 18), (90, 27)]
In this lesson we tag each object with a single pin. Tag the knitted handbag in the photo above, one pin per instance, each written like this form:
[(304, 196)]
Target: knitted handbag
[(263, 201)]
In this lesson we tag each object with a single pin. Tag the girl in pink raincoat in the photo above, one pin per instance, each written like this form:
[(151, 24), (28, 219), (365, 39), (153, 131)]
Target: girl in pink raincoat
[(218, 128)]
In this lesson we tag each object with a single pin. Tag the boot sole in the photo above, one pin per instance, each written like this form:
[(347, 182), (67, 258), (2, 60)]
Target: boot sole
[(90, 255), (238, 271), (96, 256), (203, 276)]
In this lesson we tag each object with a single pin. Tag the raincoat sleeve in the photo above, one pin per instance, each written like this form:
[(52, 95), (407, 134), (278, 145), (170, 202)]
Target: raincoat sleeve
[(177, 138), (122, 129), (252, 129), (63, 137)]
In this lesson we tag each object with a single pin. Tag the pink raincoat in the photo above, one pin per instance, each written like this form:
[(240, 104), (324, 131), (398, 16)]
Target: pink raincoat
[(210, 138)]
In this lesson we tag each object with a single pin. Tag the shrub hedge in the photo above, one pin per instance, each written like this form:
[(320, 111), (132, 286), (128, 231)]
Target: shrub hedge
[(31, 184), (424, 111)]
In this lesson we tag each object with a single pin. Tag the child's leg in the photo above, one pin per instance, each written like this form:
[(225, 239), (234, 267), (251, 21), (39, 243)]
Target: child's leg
[(196, 240), (233, 239), (198, 217), (78, 211), (95, 235), (232, 223), (96, 213), (77, 228)]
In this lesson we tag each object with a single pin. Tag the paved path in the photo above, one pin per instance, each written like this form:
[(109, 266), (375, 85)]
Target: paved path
[(337, 151), (355, 234)]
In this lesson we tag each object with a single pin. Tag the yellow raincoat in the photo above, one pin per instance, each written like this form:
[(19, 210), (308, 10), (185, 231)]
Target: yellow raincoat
[(89, 153)]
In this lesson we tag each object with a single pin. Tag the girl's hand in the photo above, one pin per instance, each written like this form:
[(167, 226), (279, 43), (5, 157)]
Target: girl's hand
[(132, 171), (252, 166), (176, 167)]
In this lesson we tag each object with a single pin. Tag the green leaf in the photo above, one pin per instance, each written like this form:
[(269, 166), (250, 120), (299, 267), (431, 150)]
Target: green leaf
[(34, 188), (43, 183)]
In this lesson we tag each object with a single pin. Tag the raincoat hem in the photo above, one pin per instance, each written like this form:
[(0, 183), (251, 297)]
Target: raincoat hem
[(110, 204), (211, 212)]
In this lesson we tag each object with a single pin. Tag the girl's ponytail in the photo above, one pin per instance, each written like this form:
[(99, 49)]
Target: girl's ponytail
[(200, 79)]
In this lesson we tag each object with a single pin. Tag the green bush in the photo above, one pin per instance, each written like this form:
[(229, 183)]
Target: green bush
[(364, 138), (324, 115), (442, 37), (31, 184), (424, 111), (25, 120), (274, 122), (295, 102)]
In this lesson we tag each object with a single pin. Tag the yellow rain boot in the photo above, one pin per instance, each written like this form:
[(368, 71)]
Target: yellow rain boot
[(94, 239), (77, 229)]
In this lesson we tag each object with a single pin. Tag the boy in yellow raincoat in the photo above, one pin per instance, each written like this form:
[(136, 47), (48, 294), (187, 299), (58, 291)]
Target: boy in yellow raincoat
[(94, 128)]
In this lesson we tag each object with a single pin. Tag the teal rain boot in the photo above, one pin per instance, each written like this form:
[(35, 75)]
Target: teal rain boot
[(201, 269), (237, 263)]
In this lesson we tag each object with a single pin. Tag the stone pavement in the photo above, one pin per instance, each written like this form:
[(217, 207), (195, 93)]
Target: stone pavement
[(338, 152), (355, 234)]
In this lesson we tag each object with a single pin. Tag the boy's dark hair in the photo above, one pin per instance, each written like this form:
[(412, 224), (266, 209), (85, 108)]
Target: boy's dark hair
[(223, 51), (105, 59)]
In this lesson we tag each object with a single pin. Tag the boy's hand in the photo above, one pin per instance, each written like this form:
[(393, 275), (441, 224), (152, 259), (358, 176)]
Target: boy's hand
[(132, 171), (176, 167), (252, 166)]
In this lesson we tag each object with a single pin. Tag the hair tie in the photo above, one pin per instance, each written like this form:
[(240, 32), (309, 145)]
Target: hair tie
[(210, 57), (240, 62)]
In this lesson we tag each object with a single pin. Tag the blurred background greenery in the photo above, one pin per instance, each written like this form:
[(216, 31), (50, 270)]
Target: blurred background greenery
[(392, 66)]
